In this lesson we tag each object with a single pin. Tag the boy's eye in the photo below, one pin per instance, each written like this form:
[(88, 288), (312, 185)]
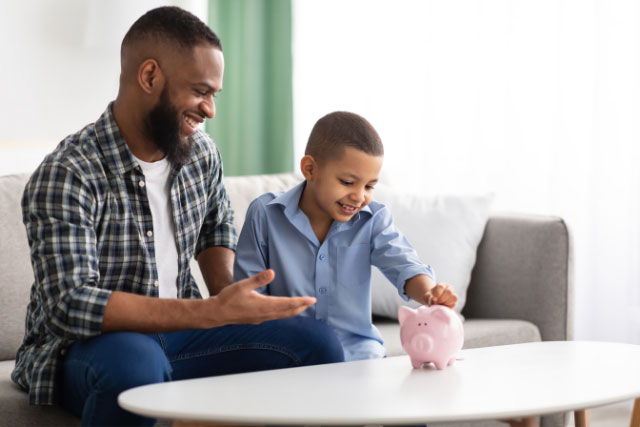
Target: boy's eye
[(343, 182), (370, 187)]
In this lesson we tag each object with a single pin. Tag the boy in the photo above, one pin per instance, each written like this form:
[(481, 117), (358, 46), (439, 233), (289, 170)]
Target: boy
[(322, 236)]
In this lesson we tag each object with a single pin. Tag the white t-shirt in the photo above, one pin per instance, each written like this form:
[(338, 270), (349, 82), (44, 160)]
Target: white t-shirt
[(158, 189)]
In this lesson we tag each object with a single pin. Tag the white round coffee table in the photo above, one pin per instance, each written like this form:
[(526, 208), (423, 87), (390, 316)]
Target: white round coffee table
[(503, 382)]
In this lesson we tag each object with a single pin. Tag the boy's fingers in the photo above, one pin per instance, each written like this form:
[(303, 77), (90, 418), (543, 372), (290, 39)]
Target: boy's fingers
[(443, 294), (437, 291), (449, 302)]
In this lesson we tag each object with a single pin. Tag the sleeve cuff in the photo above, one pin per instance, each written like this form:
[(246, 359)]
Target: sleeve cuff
[(410, 272)]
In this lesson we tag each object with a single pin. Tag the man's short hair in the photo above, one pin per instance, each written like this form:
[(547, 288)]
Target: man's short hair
[(171, 24), (339, 130)]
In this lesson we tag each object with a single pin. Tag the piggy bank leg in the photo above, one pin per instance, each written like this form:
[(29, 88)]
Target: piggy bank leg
[(417, 364), (440, 364), (453, 359)]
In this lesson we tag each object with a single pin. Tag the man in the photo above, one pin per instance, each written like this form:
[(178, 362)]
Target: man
[(114, 216)]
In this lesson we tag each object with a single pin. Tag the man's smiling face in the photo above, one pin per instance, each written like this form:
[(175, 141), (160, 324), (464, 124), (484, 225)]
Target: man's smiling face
[(187, 99)]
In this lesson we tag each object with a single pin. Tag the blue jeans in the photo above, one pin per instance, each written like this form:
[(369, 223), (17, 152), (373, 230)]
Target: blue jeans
[(96, 370)]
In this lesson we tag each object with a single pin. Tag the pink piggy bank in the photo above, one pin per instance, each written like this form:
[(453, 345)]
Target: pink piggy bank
[(430, 334)]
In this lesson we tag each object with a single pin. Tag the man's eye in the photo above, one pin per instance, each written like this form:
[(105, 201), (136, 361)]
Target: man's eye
[(201, 92)]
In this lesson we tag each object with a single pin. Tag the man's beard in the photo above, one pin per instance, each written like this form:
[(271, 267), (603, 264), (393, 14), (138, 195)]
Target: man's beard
[(163, 127)]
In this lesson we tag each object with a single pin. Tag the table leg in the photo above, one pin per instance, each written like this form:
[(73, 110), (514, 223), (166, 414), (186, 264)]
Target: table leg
[(581, 418), (635, 415), (523, 422)]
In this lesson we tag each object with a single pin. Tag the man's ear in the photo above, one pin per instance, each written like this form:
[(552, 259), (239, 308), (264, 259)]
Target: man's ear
[(308, 166), (150, 77)]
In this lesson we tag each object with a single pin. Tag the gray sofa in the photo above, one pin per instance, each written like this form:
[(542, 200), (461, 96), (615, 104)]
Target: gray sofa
[(520, 290)]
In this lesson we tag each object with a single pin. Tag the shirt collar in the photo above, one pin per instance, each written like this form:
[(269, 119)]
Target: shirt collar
[(291, 199), (112, 144)]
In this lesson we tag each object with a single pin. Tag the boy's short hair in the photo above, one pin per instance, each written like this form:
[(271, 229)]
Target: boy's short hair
[(339, 130)]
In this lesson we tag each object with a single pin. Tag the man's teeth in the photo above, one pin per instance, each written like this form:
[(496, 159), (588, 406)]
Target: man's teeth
[(191, 122)]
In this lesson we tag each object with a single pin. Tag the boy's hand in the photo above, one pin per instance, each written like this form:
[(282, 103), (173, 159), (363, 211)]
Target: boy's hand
[(442, 294)]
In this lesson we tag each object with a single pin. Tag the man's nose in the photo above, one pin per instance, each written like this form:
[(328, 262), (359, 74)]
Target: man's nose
[(208, 107)]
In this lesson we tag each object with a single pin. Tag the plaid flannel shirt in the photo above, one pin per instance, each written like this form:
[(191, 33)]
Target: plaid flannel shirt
[(86, 212)]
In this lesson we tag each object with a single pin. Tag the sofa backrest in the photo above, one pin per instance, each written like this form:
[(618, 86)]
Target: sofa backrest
[(243, 189), (16, 274)]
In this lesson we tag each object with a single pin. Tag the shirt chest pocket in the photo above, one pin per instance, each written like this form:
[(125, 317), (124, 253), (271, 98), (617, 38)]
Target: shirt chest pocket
[(354, 265)]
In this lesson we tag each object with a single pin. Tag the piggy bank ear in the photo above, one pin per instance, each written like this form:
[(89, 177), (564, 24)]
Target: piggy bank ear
[(441, 312), (404, 313)]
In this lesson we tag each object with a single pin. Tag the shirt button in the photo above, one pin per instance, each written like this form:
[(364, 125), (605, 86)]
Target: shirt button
[(63, 352), (149, 233), (322, 291), (322, 257), (156, 283), (141, 184)]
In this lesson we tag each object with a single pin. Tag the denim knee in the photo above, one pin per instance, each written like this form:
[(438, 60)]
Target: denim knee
[(131, 360), (97, 370)]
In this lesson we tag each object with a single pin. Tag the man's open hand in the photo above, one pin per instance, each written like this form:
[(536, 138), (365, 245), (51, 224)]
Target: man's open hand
[(240, 303)]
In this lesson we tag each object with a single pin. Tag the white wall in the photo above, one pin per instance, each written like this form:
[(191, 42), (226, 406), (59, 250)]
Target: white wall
[(60, 68)]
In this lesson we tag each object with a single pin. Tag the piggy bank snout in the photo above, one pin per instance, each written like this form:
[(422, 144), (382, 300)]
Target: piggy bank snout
[(421, 343)]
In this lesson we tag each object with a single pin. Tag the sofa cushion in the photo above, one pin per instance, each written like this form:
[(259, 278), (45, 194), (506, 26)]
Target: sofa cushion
[(16, 274), (445, 231), (14, 405), (477, 333)]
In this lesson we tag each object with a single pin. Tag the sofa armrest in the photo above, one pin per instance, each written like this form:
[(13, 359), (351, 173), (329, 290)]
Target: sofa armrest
[(524, 270)]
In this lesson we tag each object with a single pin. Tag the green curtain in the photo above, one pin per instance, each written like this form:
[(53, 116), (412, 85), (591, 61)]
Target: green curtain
[(253, 126)]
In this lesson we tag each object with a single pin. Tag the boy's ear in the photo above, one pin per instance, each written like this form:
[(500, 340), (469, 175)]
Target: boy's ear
[(308, 166)]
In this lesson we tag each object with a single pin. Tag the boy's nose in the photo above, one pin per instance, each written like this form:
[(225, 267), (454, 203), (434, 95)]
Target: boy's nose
[(358, 196)]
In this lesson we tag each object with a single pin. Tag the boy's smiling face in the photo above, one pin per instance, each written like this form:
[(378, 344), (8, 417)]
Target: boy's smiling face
[(339, 188)]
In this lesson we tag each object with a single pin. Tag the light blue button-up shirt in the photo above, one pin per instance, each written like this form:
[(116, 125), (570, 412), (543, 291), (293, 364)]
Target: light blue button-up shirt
[(277, 235)]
